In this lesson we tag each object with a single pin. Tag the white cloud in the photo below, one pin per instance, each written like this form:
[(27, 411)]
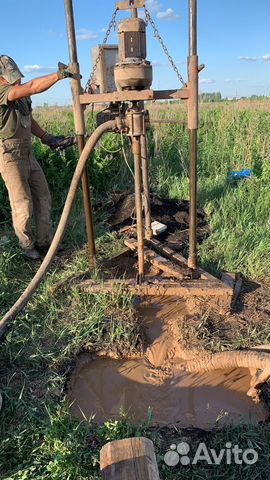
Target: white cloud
[(169, 14), (266, 57), (248, 59), (38, 69), (207, 80), (85, 34), (228, 80)]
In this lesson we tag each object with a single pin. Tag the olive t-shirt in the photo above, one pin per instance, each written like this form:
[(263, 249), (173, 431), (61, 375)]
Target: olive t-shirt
[(9, 111)]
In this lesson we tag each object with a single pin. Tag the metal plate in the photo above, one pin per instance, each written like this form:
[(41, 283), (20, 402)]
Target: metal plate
[(104, 74), (130, 4), (134, 95)]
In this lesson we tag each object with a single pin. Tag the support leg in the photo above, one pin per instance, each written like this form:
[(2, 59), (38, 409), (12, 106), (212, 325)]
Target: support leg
[(80, 127), (192, 258), (193, 107)]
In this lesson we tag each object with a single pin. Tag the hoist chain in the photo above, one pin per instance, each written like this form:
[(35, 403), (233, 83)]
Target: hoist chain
[(158, 36), (112, 24)]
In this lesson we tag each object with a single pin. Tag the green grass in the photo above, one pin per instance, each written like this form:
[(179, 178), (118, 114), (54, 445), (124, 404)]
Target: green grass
[(39, 440), (238, 212)]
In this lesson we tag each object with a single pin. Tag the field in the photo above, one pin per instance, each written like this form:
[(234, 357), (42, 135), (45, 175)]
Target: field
[(39, 438)]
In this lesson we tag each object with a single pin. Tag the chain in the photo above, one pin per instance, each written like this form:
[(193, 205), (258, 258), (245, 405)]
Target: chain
[(158, 36), (112, 24)]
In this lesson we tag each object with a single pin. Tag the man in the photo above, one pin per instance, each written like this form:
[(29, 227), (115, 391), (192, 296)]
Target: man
[(25, 181)]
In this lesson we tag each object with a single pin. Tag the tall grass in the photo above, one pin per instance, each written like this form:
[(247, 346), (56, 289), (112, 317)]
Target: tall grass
[(238, 212), (232, 136)]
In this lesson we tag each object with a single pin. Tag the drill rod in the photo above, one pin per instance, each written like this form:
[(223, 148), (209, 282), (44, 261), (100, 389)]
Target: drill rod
[(146, 192), (138, 203)]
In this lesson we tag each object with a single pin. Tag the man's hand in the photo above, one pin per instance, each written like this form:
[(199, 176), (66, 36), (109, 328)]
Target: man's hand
[(59, 142), (64, 71)]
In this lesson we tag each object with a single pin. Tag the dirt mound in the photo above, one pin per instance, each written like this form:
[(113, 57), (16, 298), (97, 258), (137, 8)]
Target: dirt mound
[(173, 213)]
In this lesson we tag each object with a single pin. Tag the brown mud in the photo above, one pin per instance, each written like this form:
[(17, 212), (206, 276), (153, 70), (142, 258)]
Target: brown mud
[(101, 386)]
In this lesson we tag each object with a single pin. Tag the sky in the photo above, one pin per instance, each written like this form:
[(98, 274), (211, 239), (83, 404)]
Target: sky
[(233, 42)]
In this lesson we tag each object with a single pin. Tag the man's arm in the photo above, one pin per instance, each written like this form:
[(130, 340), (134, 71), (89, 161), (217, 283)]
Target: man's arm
[(52, 141), (36, 129), (37, 85)]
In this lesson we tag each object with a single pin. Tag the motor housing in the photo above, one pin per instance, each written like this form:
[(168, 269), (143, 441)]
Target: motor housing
[(133, 71)]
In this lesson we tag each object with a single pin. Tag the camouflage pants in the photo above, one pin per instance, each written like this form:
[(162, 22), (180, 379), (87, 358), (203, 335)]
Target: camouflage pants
[(28, 192)]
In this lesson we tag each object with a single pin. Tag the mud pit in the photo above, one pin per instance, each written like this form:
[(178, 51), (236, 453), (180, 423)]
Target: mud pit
[(102, 386)]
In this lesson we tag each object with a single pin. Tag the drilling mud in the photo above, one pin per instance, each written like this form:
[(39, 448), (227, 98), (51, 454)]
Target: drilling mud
[(103, 386)]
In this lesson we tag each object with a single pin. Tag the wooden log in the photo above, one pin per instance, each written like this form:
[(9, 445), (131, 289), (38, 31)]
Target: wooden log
[(129, 459), (182, 261), (158, 261), (200, 288), (169, 253)]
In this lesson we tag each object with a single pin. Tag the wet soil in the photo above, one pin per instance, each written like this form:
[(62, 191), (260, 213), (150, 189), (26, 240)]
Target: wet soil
[(246, 325), (102, 386)]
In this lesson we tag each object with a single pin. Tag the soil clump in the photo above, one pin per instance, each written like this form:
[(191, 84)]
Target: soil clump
[(173, 213)]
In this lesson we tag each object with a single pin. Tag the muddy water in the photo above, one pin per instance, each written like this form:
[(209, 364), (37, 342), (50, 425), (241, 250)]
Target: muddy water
[(104, 386)]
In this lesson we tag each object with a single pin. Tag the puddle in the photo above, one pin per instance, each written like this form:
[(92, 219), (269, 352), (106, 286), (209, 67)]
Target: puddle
[(103, 386)]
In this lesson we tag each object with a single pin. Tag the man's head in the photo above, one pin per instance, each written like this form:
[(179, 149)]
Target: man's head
[(9, 70)]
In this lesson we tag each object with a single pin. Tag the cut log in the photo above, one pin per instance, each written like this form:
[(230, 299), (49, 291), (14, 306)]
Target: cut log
[(158, 261), (159, 286), (129, 459)]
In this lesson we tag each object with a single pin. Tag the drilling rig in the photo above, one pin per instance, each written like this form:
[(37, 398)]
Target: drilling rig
[(132, 80)]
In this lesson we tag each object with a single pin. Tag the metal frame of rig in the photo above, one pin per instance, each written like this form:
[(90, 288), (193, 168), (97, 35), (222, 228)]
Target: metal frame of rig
[(133, 77)]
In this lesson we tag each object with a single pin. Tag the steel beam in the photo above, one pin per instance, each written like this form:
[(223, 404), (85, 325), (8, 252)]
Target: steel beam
[(135, 96)]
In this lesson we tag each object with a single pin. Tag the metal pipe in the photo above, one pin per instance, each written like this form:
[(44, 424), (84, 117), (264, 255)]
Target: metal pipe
[(192, 258), (193, 126), (146, 190), (80, 127), (136, 149), (192, 27)]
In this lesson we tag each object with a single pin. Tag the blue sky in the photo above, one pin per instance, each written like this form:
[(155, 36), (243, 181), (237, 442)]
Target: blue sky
[(233, 41)]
